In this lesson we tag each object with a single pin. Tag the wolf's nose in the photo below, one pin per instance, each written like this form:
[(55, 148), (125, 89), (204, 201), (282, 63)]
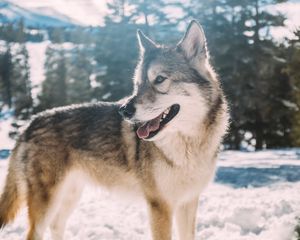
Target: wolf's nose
[(127, 110)]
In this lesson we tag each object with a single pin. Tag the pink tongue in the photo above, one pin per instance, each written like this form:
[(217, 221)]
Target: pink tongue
[(148, 127)]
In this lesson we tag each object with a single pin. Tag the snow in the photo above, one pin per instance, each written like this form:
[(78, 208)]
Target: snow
[(37, 57), (6, 142), (289, 9), (249, 213), (5, 127), (227, 209), (290, 104)]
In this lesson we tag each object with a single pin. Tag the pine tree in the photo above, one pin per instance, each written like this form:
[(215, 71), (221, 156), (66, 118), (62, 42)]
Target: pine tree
[(119, 12), (21, 83), (5, 73), (116, 53), (20, 32), (293, 72), (56, 34), (263, 66), (116, 46), (80, 70), (245, 56), (151, 15), (54, 92)]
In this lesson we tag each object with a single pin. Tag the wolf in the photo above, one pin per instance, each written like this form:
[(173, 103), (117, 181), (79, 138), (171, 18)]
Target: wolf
[(162, 142)]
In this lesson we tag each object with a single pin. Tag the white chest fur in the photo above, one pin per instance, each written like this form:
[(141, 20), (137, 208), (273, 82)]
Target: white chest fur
[(181, 184), (192, 168)]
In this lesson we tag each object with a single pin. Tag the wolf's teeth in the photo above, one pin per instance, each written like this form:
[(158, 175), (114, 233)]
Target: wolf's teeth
[(164, 115)]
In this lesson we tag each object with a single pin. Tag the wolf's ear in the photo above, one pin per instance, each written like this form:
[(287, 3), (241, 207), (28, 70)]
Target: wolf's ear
[(193, 43), (145, 43)]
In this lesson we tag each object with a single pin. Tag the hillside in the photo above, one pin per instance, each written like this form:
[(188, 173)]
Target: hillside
[(40, 17)]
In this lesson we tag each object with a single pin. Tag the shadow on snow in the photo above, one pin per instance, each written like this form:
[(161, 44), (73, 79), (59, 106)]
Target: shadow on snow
[(239, 177)]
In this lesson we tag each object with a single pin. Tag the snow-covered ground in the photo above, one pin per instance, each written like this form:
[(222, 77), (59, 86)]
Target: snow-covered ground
[(256, 196), (5, 127)]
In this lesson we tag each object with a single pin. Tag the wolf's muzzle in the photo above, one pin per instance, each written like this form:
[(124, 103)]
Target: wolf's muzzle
[(127, 110)]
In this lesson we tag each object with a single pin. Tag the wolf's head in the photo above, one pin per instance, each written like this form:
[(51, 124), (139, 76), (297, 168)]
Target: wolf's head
[(175, 88)]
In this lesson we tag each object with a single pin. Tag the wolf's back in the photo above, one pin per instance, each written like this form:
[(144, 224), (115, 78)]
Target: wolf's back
[(45, 144)]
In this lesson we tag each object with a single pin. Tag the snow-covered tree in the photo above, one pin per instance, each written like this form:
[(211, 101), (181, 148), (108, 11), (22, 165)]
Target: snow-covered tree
[(54, 92), (79, 72), (21, 82)]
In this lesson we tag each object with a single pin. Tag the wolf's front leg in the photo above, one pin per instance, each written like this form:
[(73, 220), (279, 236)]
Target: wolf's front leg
[(186, 220), (160, 219)]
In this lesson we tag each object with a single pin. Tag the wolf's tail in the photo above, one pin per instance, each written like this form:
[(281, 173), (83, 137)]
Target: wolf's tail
[(10, 200)]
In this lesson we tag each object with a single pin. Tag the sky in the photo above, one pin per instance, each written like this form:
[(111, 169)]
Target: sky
[(88, 12), (291, 10), (92, 12)]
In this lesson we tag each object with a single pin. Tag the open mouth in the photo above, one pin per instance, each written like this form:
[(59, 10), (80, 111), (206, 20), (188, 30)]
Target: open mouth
[(150, 128)]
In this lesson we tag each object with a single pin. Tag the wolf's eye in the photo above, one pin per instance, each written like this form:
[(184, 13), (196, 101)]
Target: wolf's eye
[(159, 79)]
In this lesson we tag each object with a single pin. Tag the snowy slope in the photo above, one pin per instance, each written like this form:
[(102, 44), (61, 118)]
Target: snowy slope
[(226, 211), (41, 17), (87, 12)]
